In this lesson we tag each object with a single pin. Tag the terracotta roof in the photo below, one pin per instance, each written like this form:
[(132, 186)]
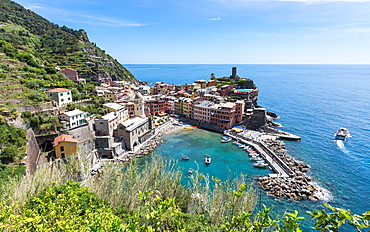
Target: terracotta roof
[(61, 138), (67, 69), (57, 90)]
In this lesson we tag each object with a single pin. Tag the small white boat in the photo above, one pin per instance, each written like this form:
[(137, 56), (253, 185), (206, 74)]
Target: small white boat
[(190, 171), (260, 165), (341, 134), (207, 159), (253, 154), (226, 139), (256, 158)]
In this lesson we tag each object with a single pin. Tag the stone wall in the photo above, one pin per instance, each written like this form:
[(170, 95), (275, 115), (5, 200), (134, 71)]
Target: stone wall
[(33, 153), (35, 108), (85, 137)]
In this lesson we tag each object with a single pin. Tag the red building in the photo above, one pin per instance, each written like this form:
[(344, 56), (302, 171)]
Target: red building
[(70, 74), (155, 106), (227, 114)]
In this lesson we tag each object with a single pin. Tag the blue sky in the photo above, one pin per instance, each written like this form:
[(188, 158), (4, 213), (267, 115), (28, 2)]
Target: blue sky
[(219, 31)]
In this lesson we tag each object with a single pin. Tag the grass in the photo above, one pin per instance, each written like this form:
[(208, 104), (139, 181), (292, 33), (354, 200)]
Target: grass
[(122, 184)]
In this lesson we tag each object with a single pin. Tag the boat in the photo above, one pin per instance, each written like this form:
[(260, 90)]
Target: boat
[(226, 139), (185, 158), (341, 134), (260, 164), (190, 171), (256, 158), (207, 159)]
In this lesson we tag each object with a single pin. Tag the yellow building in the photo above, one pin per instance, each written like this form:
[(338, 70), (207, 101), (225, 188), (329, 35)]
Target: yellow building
[(64, 146), (178, 106), (187, 107)]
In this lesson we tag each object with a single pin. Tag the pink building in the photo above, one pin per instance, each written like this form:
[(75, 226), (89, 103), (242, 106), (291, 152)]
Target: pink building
[(202, 111), (155, 107), (70, 74), (227, 114), (225, 90)]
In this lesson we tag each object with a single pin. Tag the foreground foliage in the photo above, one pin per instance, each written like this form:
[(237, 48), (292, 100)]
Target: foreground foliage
[(147, 197)]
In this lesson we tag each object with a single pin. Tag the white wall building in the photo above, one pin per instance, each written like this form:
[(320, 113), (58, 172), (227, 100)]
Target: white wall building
[(60, 96), (73, 118)]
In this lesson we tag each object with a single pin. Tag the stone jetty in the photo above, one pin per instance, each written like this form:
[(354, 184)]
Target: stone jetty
[(290, 179), (149, 146)]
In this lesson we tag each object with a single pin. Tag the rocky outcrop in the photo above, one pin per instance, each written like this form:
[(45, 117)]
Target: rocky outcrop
[(150, 146), (297, 187)]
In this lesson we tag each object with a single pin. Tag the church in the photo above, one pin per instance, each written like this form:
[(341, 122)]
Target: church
[(138, 128)]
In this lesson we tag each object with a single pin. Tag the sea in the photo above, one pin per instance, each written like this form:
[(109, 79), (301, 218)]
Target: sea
[(312, 101)]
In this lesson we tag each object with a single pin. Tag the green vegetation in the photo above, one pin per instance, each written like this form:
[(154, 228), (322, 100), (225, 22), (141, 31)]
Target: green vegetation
[(46, 43), (12, 150), (147, 197), (32, 49)]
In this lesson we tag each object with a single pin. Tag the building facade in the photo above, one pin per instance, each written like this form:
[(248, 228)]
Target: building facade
[(73, 118), (64, 146), (60, 96)]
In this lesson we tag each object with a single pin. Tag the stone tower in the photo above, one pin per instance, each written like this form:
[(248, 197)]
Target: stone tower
[(234, 76), (139, 105)]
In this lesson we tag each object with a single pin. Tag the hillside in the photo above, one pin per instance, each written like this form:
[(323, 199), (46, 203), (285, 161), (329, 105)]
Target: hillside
[(48, 45)]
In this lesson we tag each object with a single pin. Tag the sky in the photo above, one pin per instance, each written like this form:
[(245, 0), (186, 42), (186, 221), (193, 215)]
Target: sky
[(219, 31)]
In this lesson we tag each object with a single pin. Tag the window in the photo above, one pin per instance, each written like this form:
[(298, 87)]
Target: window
[(62, 99), (69, 99), (61, 148), (68, 93), (61, 94)]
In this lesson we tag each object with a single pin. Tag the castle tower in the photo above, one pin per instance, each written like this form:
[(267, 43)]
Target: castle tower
[(139, 105), (234, 76), (233, 72)]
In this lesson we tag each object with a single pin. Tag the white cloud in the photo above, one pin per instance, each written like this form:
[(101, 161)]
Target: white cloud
[(112, 22), (215, 19)]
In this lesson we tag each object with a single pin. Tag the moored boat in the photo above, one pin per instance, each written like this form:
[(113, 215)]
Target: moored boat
[(226, 139), (256, 158), (207, 159), (341, 134), (260, 164)]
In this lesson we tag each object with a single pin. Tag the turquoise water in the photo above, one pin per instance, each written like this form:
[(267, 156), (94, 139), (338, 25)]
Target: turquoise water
[(313, 101)]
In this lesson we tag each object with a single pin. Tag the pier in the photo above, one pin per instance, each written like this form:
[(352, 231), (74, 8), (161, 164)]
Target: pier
[(274, 161)]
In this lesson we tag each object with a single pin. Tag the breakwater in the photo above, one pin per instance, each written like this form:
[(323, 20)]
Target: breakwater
[(290, 179)]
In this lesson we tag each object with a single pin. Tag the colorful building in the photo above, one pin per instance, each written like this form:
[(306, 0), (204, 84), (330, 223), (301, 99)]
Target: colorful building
[(60, 96), (70, 74), (225, 115), (64, 146), (202, 111), (73, 118)]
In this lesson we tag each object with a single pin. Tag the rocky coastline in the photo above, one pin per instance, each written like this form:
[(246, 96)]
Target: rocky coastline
[(150, 146), (296, 187)]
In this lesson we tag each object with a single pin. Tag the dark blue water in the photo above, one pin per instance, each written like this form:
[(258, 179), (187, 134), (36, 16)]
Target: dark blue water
[(313, 101)]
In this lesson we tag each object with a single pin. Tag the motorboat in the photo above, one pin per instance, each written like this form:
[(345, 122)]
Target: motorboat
[(226, 139), (185, 158), (260, 164), (207, 159), (341, 134), (256, 158), (190, 171)]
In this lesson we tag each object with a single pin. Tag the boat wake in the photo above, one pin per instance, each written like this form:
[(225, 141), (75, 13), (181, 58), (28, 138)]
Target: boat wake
[(341, 146)]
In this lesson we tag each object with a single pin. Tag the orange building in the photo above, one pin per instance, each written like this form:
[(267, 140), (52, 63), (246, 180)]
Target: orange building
[(64, 146)]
